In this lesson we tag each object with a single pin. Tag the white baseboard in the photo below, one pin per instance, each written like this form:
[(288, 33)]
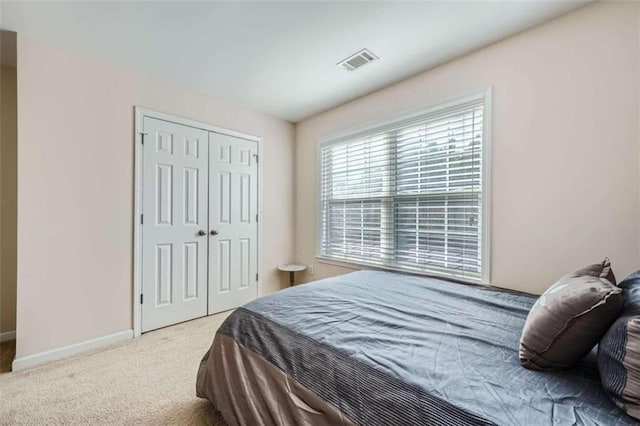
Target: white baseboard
[(59, 353), (7, 335)]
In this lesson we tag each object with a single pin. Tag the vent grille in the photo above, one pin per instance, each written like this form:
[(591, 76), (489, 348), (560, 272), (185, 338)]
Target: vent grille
[(357, 60)]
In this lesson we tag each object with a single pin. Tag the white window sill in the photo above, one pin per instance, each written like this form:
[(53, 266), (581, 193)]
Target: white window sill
[(357, 266)]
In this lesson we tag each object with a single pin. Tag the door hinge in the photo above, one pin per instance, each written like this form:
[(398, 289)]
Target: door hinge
[(142, 135), (141, 298), (141, 219), (256, 155), (256, 217), (256, 276)]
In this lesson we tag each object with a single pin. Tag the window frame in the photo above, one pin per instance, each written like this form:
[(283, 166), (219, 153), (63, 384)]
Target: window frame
[(484, 95)]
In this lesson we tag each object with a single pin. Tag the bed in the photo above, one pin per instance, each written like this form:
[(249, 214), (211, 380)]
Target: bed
[(379, 348)]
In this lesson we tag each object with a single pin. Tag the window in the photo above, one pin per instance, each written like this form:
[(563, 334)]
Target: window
[(410, 194)]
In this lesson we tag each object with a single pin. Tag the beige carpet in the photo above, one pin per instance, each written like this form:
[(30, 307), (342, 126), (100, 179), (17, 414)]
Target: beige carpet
[(150, 380)]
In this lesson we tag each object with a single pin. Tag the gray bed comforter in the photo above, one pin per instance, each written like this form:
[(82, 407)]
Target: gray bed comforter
[(378, 348)]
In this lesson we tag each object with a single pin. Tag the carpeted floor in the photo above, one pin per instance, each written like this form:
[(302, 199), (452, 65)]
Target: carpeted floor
[(150, 380)]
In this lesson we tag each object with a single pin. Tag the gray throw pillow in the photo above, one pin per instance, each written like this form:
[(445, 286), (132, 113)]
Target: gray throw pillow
[(619, 351), (570, 317)]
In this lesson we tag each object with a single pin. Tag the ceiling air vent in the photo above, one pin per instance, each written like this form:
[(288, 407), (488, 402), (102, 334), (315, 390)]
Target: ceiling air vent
[(357, 60)]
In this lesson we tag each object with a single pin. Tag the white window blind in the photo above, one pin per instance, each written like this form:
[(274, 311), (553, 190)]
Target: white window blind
[(408, 195)]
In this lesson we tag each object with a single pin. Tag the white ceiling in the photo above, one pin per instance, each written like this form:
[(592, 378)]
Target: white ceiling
[(277, 57)]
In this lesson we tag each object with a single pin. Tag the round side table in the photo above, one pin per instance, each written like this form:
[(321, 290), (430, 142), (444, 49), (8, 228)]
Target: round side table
[(292, 268)]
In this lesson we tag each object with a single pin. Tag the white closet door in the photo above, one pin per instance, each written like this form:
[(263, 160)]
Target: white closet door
[(233, 209), (174, 230)]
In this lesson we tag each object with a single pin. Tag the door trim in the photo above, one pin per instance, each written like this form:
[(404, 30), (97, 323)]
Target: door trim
[(140, 113)]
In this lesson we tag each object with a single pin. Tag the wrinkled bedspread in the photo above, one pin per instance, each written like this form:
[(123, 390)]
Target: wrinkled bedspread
[(378, 348)]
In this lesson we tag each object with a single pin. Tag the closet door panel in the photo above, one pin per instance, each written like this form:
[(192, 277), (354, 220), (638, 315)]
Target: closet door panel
[(174, 207), (233, 204)]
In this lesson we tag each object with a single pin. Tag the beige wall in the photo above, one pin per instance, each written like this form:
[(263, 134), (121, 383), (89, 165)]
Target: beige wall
[(565, 144), (8, 188), (75, 198)]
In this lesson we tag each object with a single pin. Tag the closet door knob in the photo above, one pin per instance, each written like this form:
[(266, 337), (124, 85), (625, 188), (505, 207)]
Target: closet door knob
[(202, 232), (214, 232)]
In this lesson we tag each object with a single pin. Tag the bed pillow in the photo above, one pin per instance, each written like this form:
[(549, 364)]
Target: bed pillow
[(569, 319), (619, 351)]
